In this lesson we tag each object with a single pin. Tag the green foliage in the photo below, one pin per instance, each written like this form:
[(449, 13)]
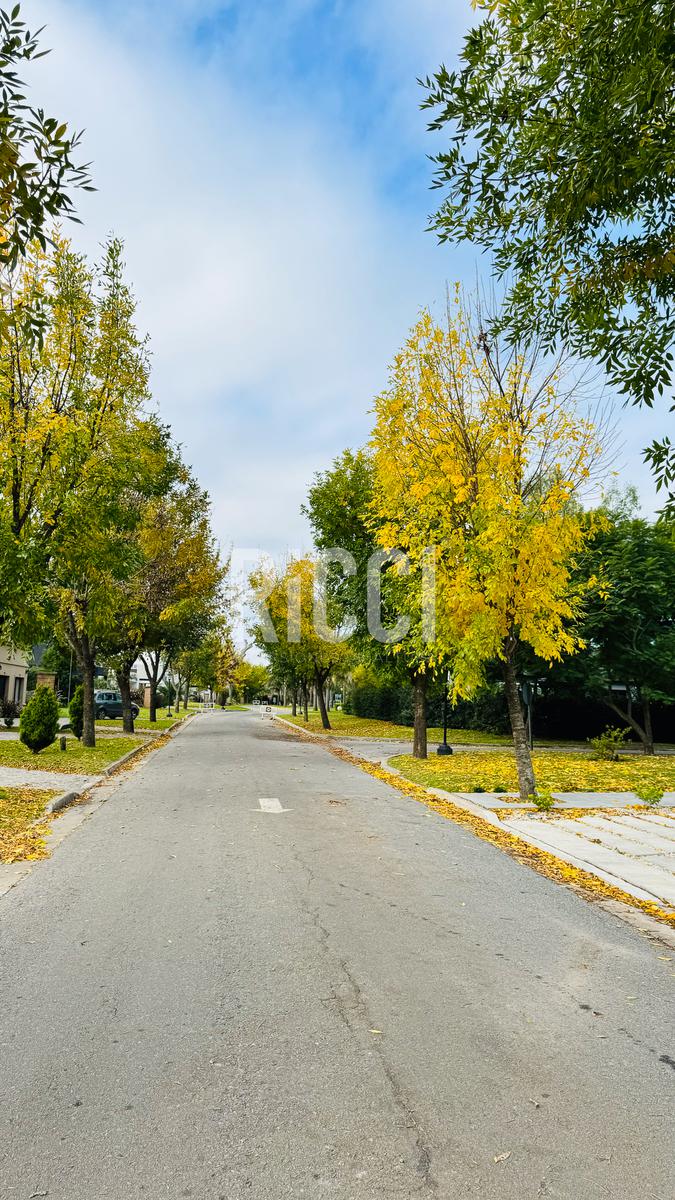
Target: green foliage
[(40, 720), (76, 711), (36, 162), (628, 623), (62, 662), (542, 800), (251, 681), (338, 511), (606, 747), (650, 795), (9, 710), (560, 164)]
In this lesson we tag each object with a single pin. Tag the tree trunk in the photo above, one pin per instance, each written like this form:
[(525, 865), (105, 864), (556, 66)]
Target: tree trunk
[(646, 737), (155, 677), (88, 716), (85, 653), (647, 722), (305, 701), (188, 682), (419, 682), (322, 701), (124, 685), (294, 703), (521, 744)]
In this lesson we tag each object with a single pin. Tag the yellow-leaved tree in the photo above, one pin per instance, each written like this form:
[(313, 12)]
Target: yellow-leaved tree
[(293, 629), (483, 458)]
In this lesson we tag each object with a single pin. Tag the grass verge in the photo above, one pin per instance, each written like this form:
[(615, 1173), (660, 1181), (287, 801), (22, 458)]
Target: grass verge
[(20, 838), (468, 772), (75, 760), (345, 725)]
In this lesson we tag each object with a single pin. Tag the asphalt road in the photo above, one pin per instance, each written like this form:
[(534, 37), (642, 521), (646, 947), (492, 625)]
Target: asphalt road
[(352, 998)]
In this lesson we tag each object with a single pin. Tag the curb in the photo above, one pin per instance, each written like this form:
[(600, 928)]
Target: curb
[(476, 810), (67, 798), (308, 733), (641, 921)]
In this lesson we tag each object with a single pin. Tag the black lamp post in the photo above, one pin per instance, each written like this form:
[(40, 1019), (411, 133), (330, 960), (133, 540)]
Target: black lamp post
[(444, 748)]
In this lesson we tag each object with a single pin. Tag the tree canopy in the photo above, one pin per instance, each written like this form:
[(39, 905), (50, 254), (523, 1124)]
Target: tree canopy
[(483, 459), (560, 164), (37, 166)]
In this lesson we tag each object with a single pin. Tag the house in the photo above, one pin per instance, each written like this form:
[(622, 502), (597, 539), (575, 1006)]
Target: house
[(13, 675)]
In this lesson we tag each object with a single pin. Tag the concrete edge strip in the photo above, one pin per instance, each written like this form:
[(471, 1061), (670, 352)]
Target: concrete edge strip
[(308, 733), (577, 861)]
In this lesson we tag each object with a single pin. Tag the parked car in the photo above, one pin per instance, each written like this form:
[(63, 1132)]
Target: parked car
[(109, 704)]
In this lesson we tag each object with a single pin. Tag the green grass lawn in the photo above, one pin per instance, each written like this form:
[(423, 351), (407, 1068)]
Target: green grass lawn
[(569, 772), (344, 725), (75, 760), (20, 839), (143, 720)]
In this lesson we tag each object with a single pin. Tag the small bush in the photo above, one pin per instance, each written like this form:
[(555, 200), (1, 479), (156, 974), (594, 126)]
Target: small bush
[(649, 795), (76, 711), (606, 747), (40, 720), (543, 801), (10, 711)]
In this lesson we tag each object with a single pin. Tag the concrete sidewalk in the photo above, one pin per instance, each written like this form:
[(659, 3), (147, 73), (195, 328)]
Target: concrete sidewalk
[(634, 850), (49, 780)]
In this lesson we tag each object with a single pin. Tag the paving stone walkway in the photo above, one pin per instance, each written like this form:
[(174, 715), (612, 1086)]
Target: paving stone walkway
[(633, 849)]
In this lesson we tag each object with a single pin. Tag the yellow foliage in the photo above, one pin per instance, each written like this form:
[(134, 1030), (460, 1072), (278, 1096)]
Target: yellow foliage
[(20, 838), (483, 464), (568, 772)]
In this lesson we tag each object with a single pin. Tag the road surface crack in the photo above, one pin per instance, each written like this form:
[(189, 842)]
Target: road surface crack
[(353, 1011)]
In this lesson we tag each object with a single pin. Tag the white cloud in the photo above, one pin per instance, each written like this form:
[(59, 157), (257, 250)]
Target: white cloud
[(276, 258), (273, 279)]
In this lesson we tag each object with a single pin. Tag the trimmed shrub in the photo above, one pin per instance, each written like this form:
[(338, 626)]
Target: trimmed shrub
[(76, 711), (10, 711), (39, 722)]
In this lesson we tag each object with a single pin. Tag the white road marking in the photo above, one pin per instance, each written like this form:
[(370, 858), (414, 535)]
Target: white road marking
[(270, 804)]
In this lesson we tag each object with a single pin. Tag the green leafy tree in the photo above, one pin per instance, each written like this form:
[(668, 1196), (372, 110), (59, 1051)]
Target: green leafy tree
[(251, 681), (110, 455), (61, 661), (39, 721), (37, 167), (340, 512), (66, 404), (180, 582), (629, 623), (560, 164)]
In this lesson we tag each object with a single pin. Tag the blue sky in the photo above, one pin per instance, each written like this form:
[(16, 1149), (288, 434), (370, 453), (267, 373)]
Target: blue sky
[(266, 163)]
